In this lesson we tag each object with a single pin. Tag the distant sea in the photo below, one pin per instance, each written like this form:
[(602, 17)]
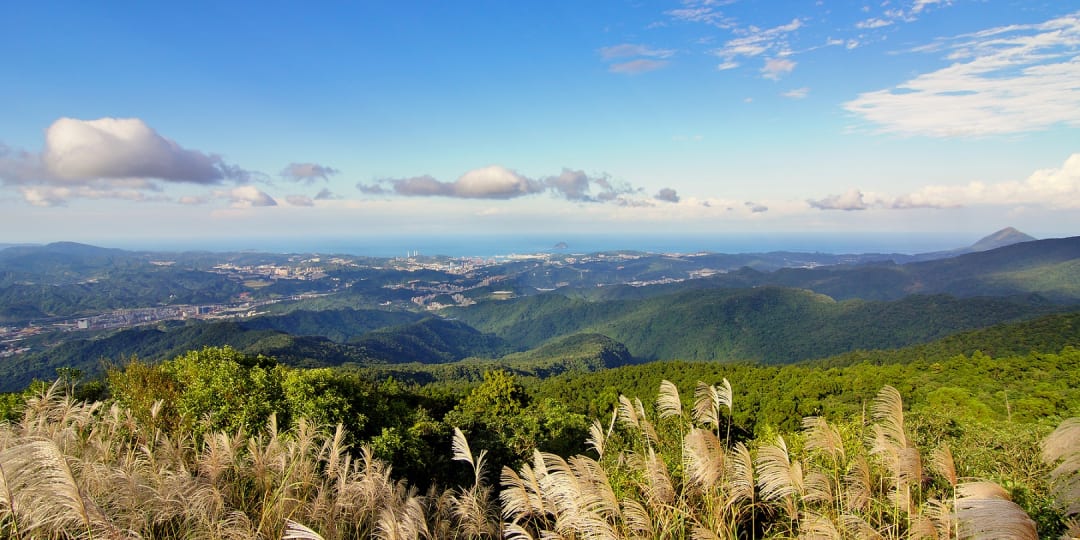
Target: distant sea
[(496, 245)]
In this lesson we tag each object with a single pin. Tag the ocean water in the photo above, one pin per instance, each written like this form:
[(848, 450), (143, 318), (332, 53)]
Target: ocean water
[(496, 245)]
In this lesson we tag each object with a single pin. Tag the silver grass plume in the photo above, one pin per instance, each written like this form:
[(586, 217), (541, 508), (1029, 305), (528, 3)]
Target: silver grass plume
[(857, 484), (703, 459), (892, 443), (638, 519), (668, 403), (741, 484), (779, 478), (941, 461), (984, 512), (824, 438), (815, 526), (460, 446), (43, 493), (522, 495), (296, 531), (708, 400)]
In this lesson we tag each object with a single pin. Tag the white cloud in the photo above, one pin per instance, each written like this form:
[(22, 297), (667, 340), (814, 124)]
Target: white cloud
[(626, 50), (754, 41), (494, 182), (247, 197), (1012, 79), (1057, 187), (797, 93), (920, 5), (44, 195), (775, 68), (123, 148), (497, 182), (730, 64), (873, 23), (852, 200), (109, 158), (634, 67)]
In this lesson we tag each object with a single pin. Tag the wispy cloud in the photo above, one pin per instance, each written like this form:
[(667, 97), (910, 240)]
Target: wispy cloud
[(920, 5), (702, 11), (633, 67), (797, 93), (1011, 79), (872, 23), (626, 50), (754, 42), (775, 68), (648, 59)]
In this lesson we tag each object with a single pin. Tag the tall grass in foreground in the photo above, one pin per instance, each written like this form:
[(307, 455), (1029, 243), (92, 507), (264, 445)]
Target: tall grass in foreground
[(77, 470)]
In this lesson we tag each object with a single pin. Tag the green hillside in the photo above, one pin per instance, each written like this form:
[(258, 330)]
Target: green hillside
[(766, 324), (431, 341)]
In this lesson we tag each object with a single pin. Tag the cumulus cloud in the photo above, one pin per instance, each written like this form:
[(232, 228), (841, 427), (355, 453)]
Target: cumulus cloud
[(307, 173), (299, 200), (125, 148), (1008, 79), (633, 67), (852, 200), (493, 182), (497, 182), (775, 68), (1055, 187), (667, 194), (109, 158), (247, 197)]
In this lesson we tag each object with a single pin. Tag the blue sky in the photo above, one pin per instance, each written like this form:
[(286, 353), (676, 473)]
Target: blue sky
[(135, 121)]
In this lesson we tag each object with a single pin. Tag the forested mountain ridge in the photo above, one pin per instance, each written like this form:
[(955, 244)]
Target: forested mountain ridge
[(765, 324)]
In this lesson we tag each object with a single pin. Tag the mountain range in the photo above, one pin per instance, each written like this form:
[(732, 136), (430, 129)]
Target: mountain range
[(786, 315)]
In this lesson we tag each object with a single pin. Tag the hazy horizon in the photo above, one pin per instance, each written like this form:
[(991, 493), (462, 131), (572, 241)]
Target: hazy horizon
[(501, 245)]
